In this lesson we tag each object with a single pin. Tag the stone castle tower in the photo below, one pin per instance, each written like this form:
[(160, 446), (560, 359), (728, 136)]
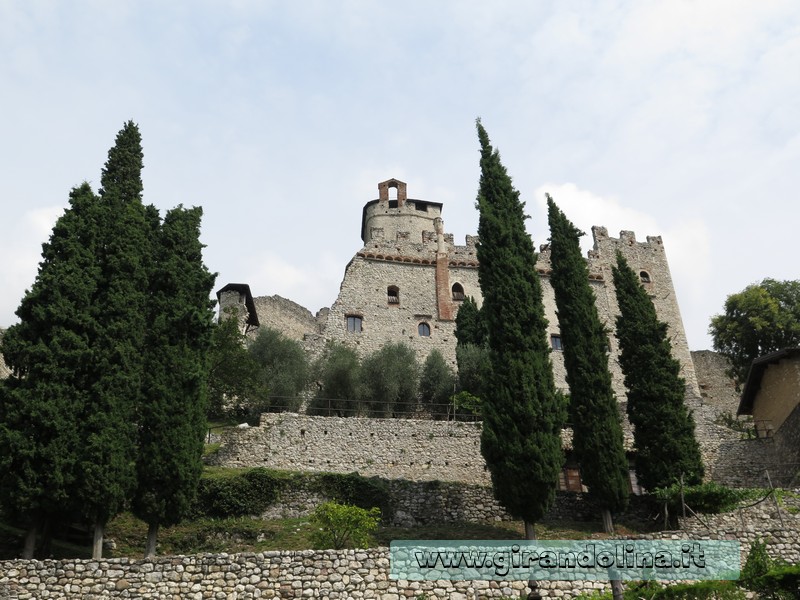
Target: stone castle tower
[(409, 279)]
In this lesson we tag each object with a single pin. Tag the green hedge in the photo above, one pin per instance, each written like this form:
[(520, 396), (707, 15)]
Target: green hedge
[(238, 495), (704, 498), (356, 490), (780, 582)]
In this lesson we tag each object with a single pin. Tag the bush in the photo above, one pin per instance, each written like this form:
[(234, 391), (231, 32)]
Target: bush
[(758, 563), (780, 582), (343, 525), (239, 495), (716, 590), (704, 498), (352, 488)]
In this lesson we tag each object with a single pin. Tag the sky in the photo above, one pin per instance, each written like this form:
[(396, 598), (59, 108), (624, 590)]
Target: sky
[(673, 118)]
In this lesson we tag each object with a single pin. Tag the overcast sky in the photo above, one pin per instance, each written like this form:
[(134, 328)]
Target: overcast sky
[(672, 118)]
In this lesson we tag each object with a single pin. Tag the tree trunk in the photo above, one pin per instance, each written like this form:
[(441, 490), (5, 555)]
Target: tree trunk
[(30, 541), (608, 527), (46, 539), (97, 545), (530, 534), (608, 522), (152, 536)]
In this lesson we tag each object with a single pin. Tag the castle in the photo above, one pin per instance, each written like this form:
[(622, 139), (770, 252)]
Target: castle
[(409, 278)]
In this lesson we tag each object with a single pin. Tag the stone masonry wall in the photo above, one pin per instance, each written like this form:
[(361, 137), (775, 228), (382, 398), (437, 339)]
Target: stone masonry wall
[(417, 450), (288, 317), (335, 574)]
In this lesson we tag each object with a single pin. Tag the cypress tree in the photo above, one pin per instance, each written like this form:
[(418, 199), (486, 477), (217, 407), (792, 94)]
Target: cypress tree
[(171, 417), (597, 431), (470, 326), (664, 440), (521, 440), (107, 473), (49, 353)]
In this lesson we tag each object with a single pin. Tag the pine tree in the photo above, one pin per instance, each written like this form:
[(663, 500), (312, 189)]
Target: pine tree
[(666, 448), (171, 416), (107, 473), (521, 440), (597, 431), (436, 383), (50, 352)]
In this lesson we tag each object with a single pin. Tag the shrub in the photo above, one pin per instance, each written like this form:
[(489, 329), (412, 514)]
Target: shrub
[(780, 582), (758, 563), (704, 498), (243, 494), (716, 590), (352, 488), (343, 525)]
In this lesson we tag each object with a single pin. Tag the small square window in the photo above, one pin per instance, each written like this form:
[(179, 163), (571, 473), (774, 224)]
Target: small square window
[(555, 342), (354, 323)]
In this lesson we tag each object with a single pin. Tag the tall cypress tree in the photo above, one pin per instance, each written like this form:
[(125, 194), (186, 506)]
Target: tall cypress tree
[(50, 352), (171, 417), (107, 474), (597, 431), (521, 440), (666, 448)]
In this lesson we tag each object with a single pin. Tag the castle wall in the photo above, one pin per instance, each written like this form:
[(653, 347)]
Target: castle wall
[(288, 317)]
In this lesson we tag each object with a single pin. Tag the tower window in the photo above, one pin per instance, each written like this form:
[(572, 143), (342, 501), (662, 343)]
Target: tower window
[(555, 342), (393, 294), (424, 330), (644, 276), (354, 323), (458, 291)]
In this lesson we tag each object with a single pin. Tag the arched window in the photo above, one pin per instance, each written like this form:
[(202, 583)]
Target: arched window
[(424, 329), (354, 323), (458, 291), (644, 276), (393, 294)]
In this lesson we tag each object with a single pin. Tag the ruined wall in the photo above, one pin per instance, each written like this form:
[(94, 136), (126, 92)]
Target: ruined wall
[(291, 319), (779, 395)]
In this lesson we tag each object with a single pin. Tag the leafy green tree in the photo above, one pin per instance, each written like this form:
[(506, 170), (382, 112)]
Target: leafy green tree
[(235, 379), (389, 381), (50, 353), (125, 229), (171, 418), (338, 379), (285, 369), (341, 525), (597, 430), (666, 448), (436, 384), (521, 439), (762, 318)]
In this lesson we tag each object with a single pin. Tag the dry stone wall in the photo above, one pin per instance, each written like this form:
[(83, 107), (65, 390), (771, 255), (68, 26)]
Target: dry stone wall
[(412, 449), (335, 574)]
